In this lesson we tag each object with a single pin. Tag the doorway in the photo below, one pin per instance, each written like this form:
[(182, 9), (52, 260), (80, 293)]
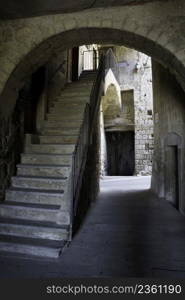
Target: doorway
[(120, 153), (75, 61), (172, 175)]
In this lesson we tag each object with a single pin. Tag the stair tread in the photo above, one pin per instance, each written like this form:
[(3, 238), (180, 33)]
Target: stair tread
[(66, 128), (42, 166), (40, 178), (25, 207), (31, 241), (63, 121), (41, 224), (40, 191), (47, 154), (57, 144), (46, 145)]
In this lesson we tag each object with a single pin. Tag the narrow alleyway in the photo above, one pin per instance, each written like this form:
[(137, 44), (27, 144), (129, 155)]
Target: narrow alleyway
[(128, 232)]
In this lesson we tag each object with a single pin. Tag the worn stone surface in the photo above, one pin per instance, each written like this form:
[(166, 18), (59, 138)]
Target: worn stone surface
[(116, 240), (41, 193)]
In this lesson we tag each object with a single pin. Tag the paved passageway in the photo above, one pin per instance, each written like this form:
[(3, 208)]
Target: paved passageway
[(128, 232)]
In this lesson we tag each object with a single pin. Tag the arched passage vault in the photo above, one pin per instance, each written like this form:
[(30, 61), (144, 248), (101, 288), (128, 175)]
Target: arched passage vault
[(157, 29)]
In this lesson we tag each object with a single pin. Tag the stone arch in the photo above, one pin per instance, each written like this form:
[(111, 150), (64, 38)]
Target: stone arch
[(28, 43)]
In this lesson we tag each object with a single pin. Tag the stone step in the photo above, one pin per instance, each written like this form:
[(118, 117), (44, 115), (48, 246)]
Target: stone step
[(70, 117), (63, 123), (68, 100), (67, 106), (89, 77), (43, 170), (73, 93), (37, 231), (30, 249), (39, 183), (75, 100), (67, 110), (34, 214), (60, 132), (79, 85), (65, 139), (85, 90), (47, 159), (59, 107), (28, 196), (68, 97), (87, 73), (62, 101), (49, 148), (77, 106)]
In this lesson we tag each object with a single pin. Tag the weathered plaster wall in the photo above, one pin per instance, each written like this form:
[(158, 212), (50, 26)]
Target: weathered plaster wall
[(155, 28), (110, 112), (55, 79), (56, 74), (169, 115), (111, 108)]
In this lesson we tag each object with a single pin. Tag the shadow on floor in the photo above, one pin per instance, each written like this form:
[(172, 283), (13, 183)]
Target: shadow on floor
[(126, 233)]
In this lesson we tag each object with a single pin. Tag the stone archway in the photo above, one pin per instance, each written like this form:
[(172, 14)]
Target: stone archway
[(28, 43)]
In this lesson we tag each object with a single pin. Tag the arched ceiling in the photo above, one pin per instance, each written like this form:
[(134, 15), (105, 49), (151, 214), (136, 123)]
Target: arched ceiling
[(156, 29), (26, 8)]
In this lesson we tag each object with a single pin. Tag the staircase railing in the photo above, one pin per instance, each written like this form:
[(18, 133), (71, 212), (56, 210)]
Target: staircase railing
[(79, 159), (86, 131)]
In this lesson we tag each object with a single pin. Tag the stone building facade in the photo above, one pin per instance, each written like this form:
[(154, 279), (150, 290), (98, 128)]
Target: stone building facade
[(135, 112)]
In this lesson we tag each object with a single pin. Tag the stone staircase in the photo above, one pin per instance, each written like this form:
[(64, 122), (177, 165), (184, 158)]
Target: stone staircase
[(35, 218)]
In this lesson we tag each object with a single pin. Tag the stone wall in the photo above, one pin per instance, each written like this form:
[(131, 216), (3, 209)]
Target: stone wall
[(137, 103), (154, 28), (136, 111), (169, 116)]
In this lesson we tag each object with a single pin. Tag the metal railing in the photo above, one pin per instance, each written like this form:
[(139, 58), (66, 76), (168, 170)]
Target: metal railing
[(79, 159), (85, 136), (89, 121)]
